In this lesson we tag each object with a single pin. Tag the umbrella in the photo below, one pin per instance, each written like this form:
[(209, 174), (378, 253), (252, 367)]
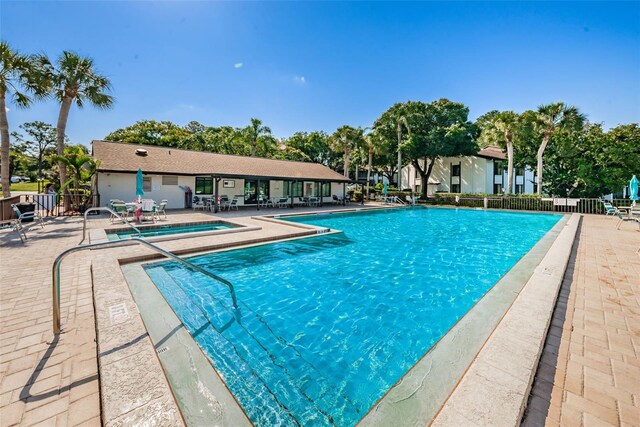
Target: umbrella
[(384, 189), (633, 189), (139, 184)]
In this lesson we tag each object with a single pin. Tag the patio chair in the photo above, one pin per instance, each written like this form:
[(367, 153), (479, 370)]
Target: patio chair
[(197, 203), (313, 201), (224, 202), (121, 209), (301, 202), (233, 204), (161, 208), (14, 226), (622, 219), (282, 202), (336, 200), (149, 209)]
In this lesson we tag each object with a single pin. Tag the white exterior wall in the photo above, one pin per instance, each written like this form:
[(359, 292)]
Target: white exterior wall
[(123, 186)]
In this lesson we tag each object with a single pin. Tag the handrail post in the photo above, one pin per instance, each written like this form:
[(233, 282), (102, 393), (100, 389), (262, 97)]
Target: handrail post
[(128, 242)]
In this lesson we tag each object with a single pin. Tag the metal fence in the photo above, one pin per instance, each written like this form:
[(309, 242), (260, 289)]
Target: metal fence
[(49, 204), (540, 204)]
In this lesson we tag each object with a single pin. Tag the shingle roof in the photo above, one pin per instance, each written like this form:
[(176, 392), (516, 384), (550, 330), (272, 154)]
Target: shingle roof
[(122, 157), (492, 152)]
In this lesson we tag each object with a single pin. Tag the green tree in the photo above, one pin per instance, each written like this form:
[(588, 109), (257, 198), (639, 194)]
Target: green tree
[(500, 128), (82, 168), (555, 116), (151, 132), (40, 137), (314, 145), (19, 76), (75, 80), (345, 140), (621, 158), (256, 132)]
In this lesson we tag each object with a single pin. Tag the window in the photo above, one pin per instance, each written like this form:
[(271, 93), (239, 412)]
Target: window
[(146, 184), (498, 167), (519, 172), (326, 189), (519, 188), (498, 189), (455, 178), (293, 189), (169, 179), (204, 185)]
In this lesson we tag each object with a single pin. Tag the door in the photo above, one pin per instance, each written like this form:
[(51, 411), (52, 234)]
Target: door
[(252, 191)]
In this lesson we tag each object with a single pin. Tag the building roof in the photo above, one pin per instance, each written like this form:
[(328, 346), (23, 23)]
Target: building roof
[(122, 157), (492, 152)]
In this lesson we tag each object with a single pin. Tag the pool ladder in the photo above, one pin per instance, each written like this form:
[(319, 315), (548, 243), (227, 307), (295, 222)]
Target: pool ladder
[(98, 209), (116, 243)]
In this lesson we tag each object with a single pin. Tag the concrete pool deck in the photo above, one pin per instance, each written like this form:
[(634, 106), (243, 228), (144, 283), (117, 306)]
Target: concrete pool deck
[(48, 382)]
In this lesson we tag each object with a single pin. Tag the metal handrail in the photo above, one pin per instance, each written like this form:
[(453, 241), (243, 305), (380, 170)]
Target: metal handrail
[(84, 224), (128, 242)]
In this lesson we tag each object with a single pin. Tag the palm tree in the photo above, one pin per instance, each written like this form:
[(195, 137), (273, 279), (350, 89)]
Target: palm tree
[(82, 167), (255, 131), (555, 116), (17, 72), (345, 140), (75, 79), (499, 128)]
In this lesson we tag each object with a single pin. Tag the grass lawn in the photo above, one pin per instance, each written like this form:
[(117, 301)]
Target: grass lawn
[(24, 186)]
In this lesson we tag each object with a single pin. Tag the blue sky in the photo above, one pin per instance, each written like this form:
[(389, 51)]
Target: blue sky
[(316, 66)]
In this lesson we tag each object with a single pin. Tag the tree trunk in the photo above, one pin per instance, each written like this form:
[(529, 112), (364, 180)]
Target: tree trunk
[(347, 161), (369, 165), (254, 147), (5, 148), (399, 184), (61, 127), (424, 175), (543, 146), (509, 164)]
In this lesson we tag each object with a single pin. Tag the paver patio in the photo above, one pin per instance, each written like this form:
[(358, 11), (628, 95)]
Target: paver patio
[(589, 373)]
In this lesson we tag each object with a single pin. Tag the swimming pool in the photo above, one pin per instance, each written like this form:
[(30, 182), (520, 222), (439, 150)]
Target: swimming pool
[(327, 325), (164, 230)]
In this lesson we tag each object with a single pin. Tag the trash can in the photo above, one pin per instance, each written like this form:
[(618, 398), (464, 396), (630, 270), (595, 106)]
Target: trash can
[(26, 207)]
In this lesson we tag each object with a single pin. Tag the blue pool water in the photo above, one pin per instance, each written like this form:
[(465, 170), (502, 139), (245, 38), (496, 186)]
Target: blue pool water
[(167, 229), (327, 325)]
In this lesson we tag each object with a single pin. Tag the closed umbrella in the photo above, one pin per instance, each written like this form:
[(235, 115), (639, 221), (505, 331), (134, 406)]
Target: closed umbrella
[(385, 189), (139, 184), (633, 189)]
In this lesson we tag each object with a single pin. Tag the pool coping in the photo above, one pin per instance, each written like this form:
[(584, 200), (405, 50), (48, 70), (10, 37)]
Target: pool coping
[(496, 386)]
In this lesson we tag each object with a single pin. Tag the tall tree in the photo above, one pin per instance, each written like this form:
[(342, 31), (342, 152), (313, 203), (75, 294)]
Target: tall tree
[(19, 76), (151, 132), (40, 136), (345, 140), (257, 131), (75, 80), (555, 116), (499, 128), (442, 129)]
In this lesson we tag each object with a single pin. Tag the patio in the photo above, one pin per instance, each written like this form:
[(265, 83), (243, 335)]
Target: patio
[(588, 373)]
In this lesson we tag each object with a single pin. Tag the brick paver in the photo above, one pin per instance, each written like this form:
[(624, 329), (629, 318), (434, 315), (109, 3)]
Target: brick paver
[(589, 372), (42, 378)]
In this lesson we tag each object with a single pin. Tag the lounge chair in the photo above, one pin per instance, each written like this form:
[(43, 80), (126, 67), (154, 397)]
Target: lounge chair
[(13, 225), (609, 208), (622, 219), (25, 217)]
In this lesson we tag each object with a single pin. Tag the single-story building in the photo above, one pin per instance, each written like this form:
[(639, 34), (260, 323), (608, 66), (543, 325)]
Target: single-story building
[(482, 173), (169, 173)]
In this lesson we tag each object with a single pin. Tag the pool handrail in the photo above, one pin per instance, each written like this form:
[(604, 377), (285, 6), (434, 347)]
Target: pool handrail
[(103, 208), (115, 243)]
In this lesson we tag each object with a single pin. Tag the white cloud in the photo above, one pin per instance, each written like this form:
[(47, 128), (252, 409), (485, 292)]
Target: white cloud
[(238, 65), (299, 80)]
